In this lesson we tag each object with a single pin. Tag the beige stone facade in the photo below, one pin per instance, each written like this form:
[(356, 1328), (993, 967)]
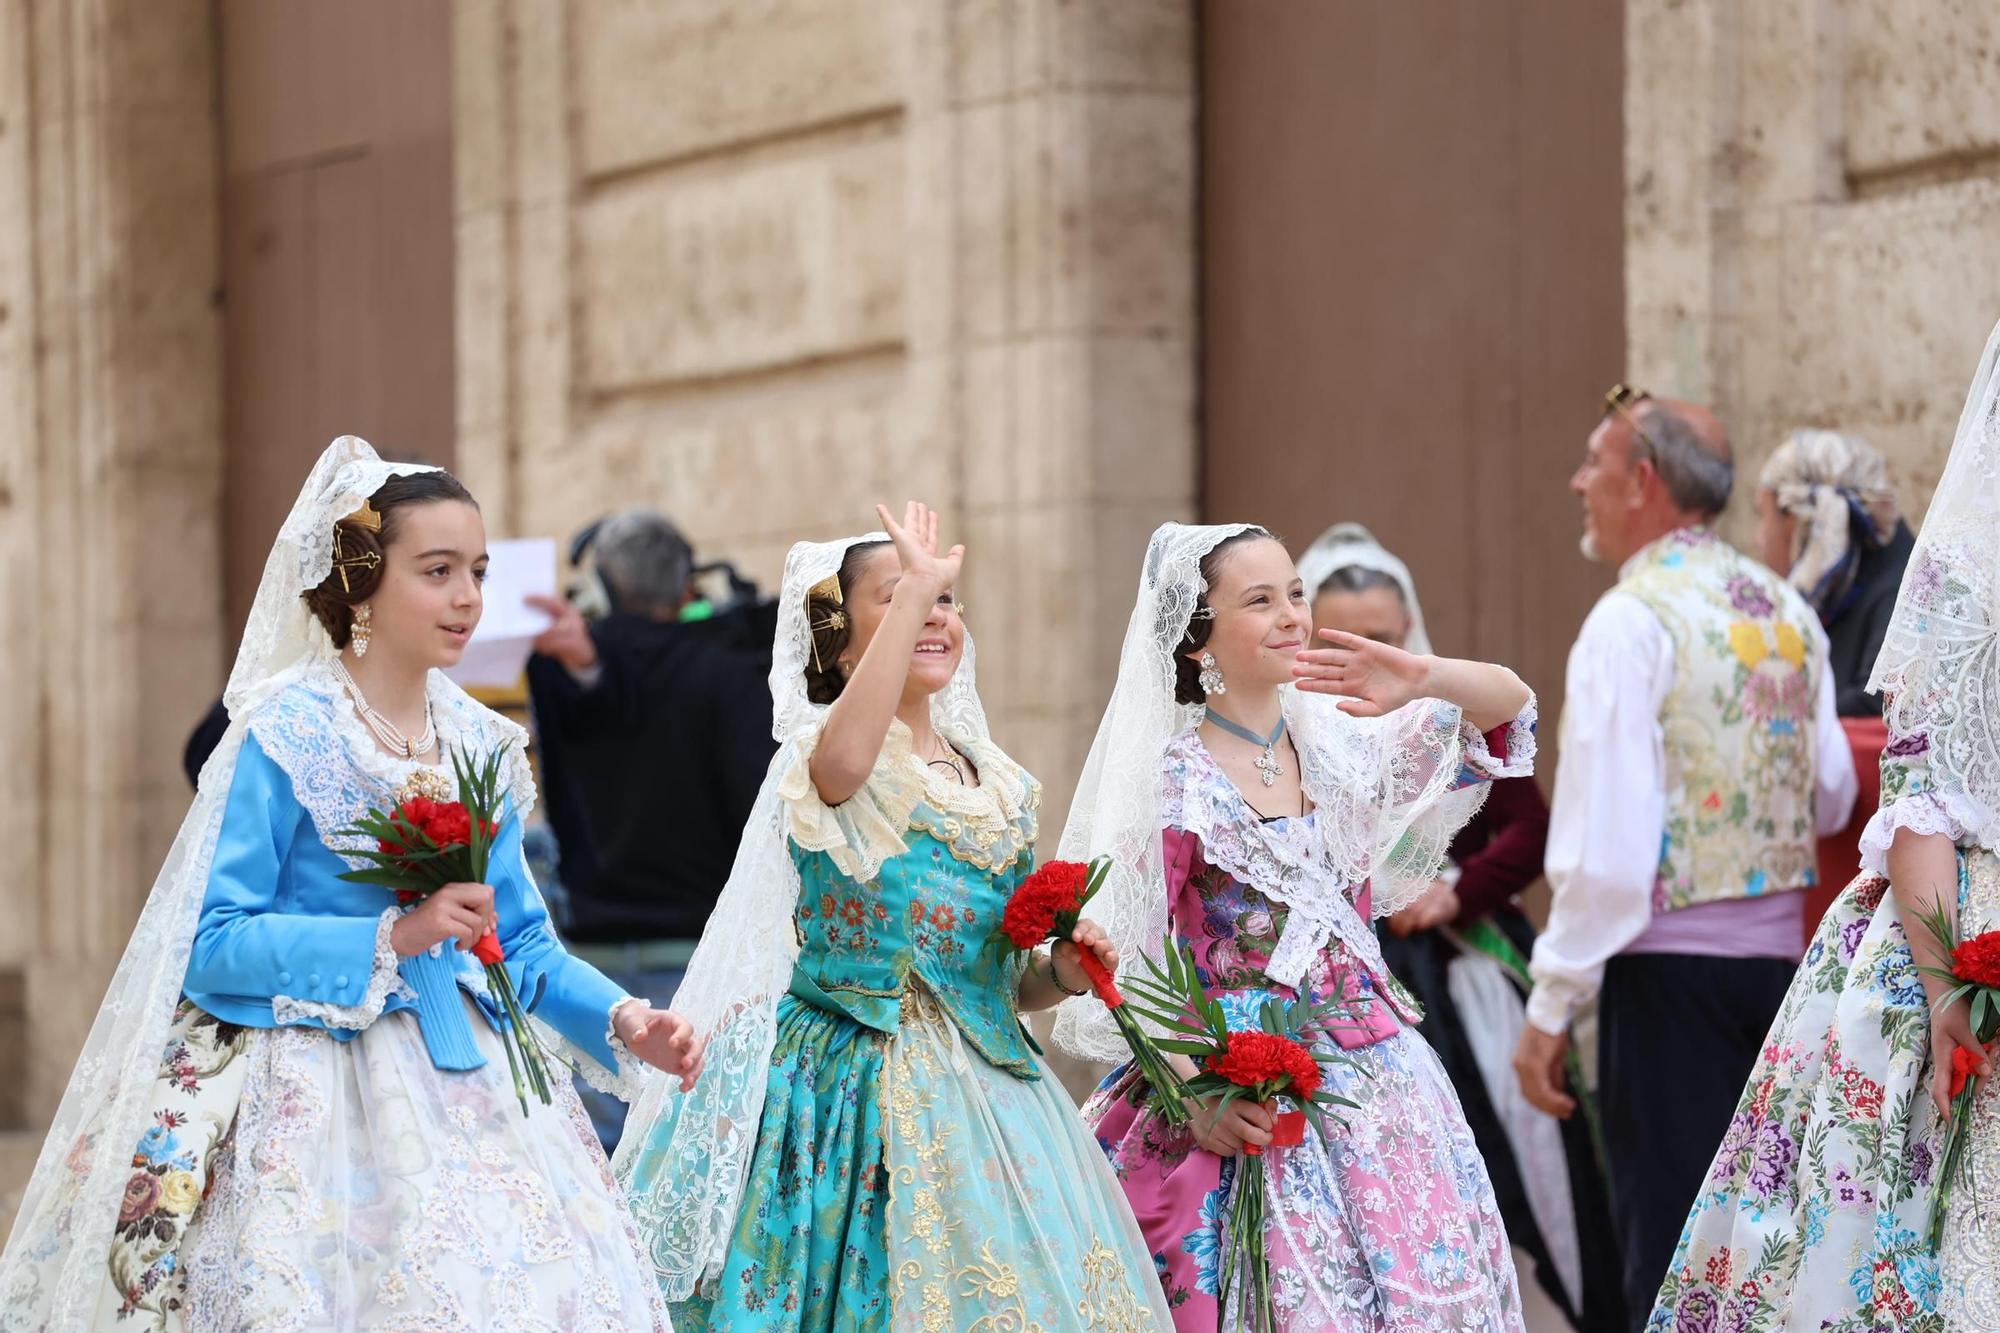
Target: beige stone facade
[(764, 262), (110, 473), (1813, 217)]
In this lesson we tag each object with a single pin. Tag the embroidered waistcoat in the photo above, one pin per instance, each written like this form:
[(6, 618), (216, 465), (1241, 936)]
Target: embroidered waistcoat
[(1737, 724)]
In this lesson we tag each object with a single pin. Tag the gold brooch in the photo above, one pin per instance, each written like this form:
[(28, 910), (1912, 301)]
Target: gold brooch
[(430, 783)]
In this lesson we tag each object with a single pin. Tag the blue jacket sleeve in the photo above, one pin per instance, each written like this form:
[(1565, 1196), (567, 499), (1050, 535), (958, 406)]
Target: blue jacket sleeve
[(246, 951), (567, 993)]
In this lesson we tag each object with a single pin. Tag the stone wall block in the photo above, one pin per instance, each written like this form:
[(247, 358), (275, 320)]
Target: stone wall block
[(1005, 239), (1922, 81), (659, 82), (774, 264), (998, 49), (1123, 195), (1125, 46)]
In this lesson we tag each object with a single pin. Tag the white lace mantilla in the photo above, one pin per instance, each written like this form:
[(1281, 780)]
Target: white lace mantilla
[(383, 981), (338, 772)]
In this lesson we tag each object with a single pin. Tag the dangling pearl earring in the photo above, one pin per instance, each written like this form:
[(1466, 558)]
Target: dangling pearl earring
[(358, 634), (1211, 676)]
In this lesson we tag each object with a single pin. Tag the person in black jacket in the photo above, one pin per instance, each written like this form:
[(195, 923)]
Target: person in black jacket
[(1827, 520), (654, 730)]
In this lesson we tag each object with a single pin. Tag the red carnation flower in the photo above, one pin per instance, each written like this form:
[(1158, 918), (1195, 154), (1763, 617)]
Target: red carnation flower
[(1257, 1059), (1964, 1064), (449, 825), (1046, 900), (1978, 959)]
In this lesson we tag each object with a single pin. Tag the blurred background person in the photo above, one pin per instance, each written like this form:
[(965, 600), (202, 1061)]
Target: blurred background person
[(654, 731), (1463, 950), (1827, 520), (1701, 760)]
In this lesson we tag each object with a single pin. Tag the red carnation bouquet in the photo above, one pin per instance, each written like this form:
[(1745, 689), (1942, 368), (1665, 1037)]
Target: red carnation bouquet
[(1047, 906), (421, 845), (1275, 1059), (1974, 975)]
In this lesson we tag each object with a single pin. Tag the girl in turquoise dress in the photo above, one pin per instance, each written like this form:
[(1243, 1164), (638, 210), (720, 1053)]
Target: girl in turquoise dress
[(875, 1142)]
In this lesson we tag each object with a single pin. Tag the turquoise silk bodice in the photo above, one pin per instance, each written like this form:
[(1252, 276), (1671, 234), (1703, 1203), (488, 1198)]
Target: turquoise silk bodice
[(905, 882)]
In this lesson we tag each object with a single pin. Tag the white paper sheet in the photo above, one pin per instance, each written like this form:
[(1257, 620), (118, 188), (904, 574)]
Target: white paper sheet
[(498, 652)]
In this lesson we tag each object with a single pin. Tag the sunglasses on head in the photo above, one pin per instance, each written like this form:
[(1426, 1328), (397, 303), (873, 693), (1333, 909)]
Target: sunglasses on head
[(1622, 399)]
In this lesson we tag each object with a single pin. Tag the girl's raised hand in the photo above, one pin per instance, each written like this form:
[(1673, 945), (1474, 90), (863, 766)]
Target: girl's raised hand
[(916, 539), (1371, 678)]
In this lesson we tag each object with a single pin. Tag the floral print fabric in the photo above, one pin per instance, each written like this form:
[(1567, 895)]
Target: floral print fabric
[(1387, 1223), (195, 1099)]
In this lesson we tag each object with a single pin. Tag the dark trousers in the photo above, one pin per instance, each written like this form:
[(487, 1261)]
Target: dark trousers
[(1677, 1037)]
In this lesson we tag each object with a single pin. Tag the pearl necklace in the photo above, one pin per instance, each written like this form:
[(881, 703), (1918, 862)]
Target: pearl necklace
[(388, 732)]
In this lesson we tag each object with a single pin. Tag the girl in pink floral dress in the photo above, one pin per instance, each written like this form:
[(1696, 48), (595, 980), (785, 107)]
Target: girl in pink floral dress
[(1263, 828)]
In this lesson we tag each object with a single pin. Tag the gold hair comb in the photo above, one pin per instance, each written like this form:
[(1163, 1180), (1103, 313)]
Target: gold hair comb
[(365, 517), (826, 590), (364, 560)]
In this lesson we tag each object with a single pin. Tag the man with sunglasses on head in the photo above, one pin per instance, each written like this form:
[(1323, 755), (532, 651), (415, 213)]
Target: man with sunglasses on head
[(1702, 758)]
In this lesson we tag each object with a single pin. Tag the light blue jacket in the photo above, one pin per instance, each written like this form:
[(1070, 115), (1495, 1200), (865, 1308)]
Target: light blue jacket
[(277, 921)]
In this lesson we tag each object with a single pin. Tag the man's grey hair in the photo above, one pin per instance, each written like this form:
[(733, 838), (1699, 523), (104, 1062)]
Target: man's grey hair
[(1697, 476), (644, 561)]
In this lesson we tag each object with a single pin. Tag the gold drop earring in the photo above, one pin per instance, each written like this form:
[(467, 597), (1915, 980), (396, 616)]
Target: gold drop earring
[(358, 634)]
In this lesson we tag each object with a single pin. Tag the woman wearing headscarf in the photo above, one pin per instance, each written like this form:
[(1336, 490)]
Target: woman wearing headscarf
[(1827, 520)]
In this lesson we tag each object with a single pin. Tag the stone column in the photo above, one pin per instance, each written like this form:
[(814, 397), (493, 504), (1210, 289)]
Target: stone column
[(763, 266), (110, 461), (1813, 217)]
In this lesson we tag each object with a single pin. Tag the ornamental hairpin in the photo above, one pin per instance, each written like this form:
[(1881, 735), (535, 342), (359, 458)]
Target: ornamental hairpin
[(368, 516), (826, 590), (343, 563)]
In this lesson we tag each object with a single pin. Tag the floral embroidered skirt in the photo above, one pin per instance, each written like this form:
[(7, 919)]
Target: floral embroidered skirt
[(1815, 1212), (292, 1181), (1388, 1224), (905, 1183)]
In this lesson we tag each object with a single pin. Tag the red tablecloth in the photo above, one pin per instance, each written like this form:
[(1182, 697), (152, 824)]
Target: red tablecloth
[(1840, 853)]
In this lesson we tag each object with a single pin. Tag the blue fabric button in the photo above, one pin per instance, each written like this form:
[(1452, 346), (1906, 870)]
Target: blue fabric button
[(340, 983), (284, 978), (313, 981)]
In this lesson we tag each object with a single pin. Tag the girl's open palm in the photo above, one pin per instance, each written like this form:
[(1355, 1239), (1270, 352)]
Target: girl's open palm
[(1371, 678), (916, 539)]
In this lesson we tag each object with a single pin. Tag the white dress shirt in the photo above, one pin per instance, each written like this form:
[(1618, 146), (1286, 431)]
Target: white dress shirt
[(1609, 812)]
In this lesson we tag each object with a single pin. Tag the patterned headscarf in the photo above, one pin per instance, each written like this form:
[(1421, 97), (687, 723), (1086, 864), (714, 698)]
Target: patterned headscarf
[(1837, 487)]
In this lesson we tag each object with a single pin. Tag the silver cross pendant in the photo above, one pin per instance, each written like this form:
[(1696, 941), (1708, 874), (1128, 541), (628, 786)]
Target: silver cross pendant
[(1268, 766)]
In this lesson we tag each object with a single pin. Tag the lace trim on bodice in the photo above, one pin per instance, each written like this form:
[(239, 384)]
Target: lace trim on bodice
[(1285, 860), (337, 771), (988, 826)]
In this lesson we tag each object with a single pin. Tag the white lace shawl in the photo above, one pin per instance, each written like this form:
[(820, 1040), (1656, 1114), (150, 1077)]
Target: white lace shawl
[(1938, 671)]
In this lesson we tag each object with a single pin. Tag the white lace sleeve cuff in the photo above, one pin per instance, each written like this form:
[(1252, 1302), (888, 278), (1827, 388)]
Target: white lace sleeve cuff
[(632, 1076), (1955, 815), (383, 981), (869, 827), (1520, 746)]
